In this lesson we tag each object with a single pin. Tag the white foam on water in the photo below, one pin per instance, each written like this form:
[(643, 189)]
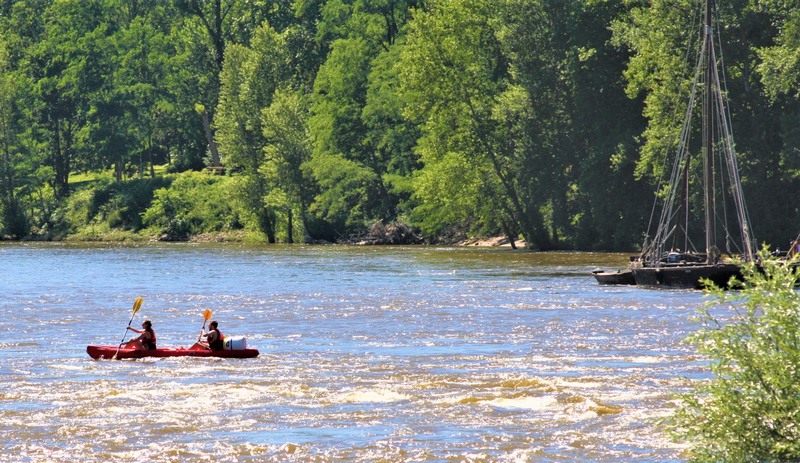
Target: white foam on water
[(525, 403), (362, 395)]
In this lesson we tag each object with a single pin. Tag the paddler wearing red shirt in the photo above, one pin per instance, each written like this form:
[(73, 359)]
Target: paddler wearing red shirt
[(146, 339)]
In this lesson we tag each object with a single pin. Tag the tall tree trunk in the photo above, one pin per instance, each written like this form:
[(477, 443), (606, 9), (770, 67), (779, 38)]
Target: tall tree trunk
[(60, 153), (212, 145), (289, 227), (512, 239), (150, 155)]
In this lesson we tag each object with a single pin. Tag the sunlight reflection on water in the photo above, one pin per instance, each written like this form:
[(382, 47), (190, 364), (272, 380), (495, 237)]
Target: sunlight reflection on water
[(392, 353)]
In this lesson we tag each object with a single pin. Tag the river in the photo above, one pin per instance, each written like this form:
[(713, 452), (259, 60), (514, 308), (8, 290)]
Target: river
[(392, 354)]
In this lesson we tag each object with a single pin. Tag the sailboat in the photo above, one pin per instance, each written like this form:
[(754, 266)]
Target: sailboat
[(669, 258)]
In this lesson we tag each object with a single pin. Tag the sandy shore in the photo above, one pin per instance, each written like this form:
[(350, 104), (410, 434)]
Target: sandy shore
[(497, 241)]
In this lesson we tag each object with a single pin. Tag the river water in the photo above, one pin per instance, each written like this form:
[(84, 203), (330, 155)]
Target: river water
[(391, 354)]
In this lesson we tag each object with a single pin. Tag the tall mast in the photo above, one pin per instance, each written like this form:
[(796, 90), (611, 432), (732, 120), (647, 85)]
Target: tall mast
[(708, 133)]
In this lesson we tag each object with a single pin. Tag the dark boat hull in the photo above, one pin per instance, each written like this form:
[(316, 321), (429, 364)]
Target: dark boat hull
[(620, 277), (108, 352), (687, 276)]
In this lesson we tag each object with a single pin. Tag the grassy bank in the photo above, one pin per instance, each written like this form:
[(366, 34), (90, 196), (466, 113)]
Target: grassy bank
[(190, 206)]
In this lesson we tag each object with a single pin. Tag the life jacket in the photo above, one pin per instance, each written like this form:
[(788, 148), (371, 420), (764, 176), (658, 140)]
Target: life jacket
[(151, 343), (219, 343)]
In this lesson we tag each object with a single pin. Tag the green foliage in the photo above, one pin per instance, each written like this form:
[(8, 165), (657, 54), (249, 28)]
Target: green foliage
[(288, 148), (99, 209), (748, 411), (459, 83), (462, 116), (78, 210), (194, 203), (664, 38), (249, 80), (121, 204), (143, 58), (343, 184), (357, 110), (13, 221), (780, 65), (341, 88)]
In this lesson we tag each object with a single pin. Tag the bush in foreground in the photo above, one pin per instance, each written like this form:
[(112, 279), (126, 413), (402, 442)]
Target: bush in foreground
[(749, 411)]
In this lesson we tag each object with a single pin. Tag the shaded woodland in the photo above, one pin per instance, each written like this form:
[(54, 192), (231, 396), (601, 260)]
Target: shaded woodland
[(326, 120)]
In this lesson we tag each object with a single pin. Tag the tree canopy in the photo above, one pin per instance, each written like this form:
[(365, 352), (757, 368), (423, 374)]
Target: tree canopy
[(541, 120)]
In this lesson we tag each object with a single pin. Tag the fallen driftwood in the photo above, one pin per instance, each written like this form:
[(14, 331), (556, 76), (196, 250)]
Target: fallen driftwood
[(394, 233)]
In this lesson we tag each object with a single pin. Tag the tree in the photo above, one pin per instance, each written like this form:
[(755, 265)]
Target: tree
[(224, 22), (348, 184), (12, 220), (288, 147), (457, 77), (780, 62), (780, 74), (578, 162), (663, 37), (362, 144), (388, 135), (249, 80), (63, 69), (209, 27), (143, 56), (748, 410)]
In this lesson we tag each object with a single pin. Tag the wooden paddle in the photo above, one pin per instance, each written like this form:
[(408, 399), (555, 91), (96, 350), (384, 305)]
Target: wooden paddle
[(136, 305), (206, 317)]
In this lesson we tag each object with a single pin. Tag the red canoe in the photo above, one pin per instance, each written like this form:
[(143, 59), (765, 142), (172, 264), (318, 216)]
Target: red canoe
[(107, 352)]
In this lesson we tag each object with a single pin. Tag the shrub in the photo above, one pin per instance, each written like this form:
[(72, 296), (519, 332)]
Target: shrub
[(749, 411), (76, 209), (13, 222), (194, 203), (121, 204)]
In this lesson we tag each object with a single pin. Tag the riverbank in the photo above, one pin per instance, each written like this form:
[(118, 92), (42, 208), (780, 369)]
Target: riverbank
[(379, 235), (497, 241)]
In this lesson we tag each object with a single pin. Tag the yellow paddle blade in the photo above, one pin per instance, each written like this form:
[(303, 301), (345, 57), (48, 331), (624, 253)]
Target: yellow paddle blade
[(137, 304), (206, 314)]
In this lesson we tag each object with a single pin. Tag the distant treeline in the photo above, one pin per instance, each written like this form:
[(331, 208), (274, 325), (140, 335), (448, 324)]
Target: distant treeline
[(546, 120)]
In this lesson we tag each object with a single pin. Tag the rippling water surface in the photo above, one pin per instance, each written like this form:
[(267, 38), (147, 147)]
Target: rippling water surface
[(393, 354)]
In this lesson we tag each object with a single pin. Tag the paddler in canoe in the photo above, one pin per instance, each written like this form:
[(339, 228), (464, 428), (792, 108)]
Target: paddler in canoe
[(146, 339), (214, 338), (145, 345)]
